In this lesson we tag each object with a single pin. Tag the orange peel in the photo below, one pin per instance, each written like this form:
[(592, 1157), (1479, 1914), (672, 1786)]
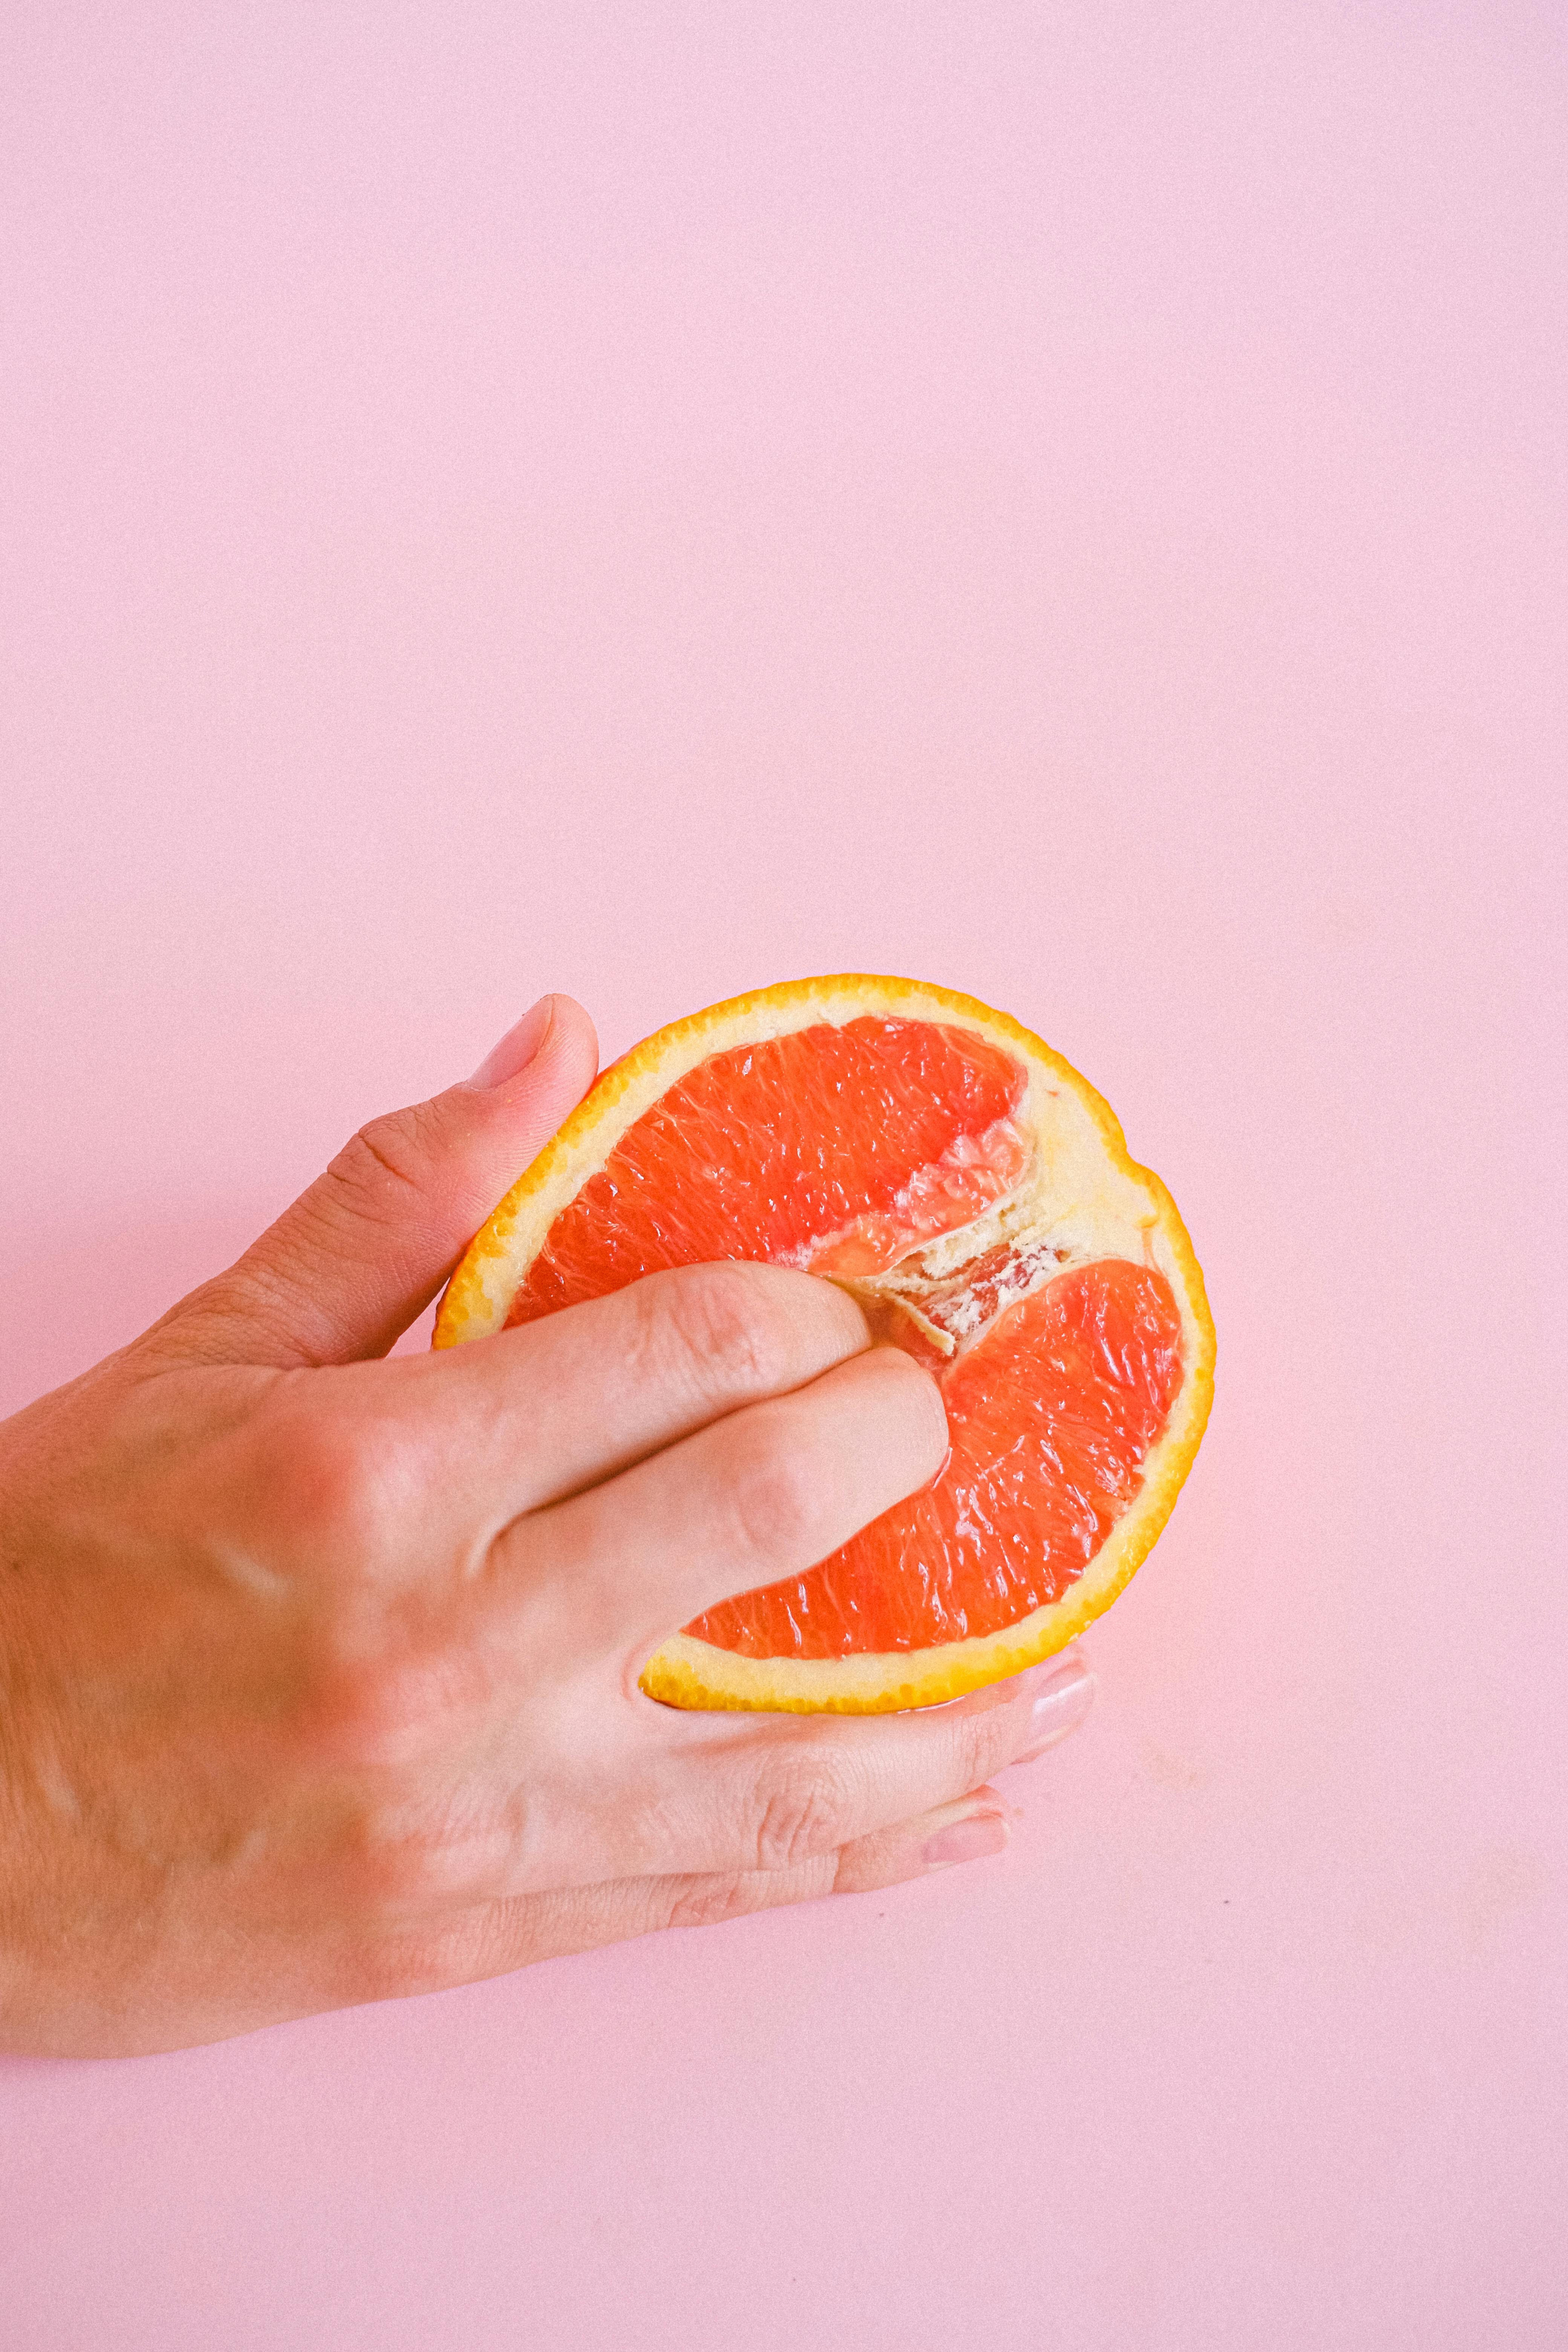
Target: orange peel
[(1048, 1191)]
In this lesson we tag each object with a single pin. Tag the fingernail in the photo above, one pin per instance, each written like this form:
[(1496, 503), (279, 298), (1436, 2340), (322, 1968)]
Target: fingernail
[(518, 1047), (968, 1838), (1060, 1705)]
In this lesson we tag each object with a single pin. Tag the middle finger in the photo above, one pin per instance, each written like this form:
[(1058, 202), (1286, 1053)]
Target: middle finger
[(534, 1414)]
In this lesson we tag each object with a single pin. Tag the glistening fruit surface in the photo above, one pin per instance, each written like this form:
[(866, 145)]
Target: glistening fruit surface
[(975, 1195)]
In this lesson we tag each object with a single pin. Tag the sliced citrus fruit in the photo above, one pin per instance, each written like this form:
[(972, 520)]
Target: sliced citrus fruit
[(975, 1193)]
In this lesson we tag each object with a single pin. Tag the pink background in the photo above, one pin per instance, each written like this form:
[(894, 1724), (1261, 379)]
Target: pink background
[(1064, 500)]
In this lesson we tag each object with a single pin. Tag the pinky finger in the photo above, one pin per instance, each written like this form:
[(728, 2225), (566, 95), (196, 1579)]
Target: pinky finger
[(965, 1830), (511, 1933)]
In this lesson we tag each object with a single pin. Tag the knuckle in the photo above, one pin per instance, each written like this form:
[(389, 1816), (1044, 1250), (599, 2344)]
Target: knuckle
[(363, 1707), (708, 1901), (726, 1328), (333, 1474), (382, 1161), (779, 1494), (808, 1814), (988, 1741), (981, 1744)]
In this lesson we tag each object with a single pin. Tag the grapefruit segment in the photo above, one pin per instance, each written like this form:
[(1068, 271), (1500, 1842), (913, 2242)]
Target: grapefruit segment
[(832, 1148), (1051, 1414), (971, 1190)]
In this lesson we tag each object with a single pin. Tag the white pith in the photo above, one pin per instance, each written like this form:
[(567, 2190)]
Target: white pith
[(1081, 1198)]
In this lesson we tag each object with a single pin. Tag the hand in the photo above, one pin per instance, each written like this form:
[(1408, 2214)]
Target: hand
[(318, 1672)]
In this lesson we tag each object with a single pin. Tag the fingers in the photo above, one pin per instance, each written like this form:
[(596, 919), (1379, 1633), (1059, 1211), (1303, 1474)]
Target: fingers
[(767, 1793), (971, 1829), (974, 1826), (822, 1783), (499, 1936), (366, 1248), (491, 1930), (758, 1497), (533, 1414)]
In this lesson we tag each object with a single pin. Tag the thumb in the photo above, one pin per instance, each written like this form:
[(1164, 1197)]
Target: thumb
[(346, 1270)]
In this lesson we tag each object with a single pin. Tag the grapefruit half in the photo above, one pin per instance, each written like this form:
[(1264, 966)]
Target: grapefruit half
[(975, 1195)]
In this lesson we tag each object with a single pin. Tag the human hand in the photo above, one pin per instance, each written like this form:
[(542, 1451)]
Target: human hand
[(318, 1672)]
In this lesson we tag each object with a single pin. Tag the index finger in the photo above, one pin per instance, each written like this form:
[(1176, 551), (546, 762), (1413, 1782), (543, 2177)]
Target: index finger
[(535, 1414)]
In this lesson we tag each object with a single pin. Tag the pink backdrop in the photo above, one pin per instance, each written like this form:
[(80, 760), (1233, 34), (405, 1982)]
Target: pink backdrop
[(651, 498)]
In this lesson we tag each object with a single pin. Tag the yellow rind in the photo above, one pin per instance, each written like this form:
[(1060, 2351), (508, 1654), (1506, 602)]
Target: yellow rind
[(688, 1672)]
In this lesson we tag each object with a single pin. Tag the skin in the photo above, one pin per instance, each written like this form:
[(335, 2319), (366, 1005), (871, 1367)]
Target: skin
[(318, 1671)]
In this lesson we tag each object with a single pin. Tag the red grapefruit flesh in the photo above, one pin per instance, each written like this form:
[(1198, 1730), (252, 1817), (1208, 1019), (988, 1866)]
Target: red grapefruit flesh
[(973, 1191)]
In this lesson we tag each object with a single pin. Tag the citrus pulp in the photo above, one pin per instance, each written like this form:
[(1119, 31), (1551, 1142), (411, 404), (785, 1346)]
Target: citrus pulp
[(975, 1193)]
